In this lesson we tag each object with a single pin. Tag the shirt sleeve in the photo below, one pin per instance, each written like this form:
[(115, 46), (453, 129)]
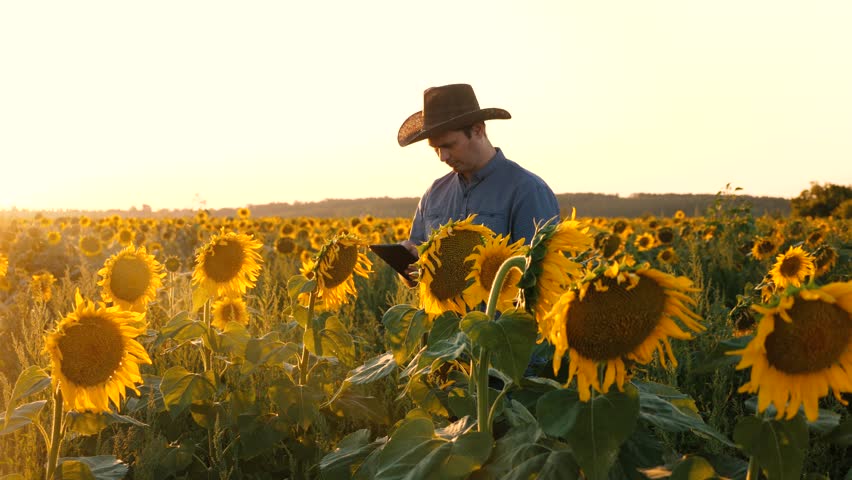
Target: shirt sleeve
[(418, 225), (533, 205)]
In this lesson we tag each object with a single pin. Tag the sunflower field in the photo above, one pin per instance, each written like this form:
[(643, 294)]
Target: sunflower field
[(685, 347)]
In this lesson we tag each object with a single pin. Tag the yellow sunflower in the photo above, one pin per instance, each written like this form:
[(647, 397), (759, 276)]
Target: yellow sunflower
[(825, 257), (131, 279), (54, 237), (334, 268), (94, 356), (487, 259), (619, 313), (244, 213), (229, 309), (763, 248), (549, 271), (228, 264), (803, 347), (285, 245), (90, 245), (644, 242), (445, 266), (667, 256), (172, 263), (792, 268)]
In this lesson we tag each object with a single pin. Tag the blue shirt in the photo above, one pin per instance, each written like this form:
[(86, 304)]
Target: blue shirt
[(505, 197)]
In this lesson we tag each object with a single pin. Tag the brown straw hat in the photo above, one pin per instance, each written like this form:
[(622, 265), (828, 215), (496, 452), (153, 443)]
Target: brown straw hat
[(446, 108)]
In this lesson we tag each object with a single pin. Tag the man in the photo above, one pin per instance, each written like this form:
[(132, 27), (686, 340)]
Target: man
[(505, 197)]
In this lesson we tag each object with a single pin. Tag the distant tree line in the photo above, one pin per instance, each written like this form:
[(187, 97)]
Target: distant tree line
[(586, 204), (824, 200)]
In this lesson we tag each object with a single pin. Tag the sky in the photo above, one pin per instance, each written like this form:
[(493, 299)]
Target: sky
[(183, 104)]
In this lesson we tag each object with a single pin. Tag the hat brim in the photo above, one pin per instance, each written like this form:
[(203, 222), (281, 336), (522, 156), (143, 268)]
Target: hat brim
[(412, 128)]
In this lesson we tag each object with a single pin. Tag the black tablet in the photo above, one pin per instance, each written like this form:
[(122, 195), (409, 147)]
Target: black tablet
[(395, 255)]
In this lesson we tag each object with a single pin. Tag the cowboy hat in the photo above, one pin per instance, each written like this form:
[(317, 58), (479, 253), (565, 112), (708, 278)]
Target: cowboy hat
[(445, 108)]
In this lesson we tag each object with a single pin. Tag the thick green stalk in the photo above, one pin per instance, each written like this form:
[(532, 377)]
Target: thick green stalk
[(753, 469), (482, 405), (55, 435), (303, 363)]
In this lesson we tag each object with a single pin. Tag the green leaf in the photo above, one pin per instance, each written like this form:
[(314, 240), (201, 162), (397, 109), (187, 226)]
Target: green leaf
[(376, 368), (180, 388), (404, 329), (778, 445), (348, 456), (334, 340), (443, 351), (841, 435), (443, 327), (267, 350), (415, 451), (352, 405), (694, 468), (231, 341), (176, 459), (511, 337), (596, 430), (718, 357), (259, 434), (668, 417), (298, 403), (200, 296), (548, 465), (180, 329), (32, 380), (101, 467), (21, 416), (88, 423)]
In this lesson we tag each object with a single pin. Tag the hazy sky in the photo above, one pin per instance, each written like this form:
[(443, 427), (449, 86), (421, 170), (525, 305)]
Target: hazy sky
[(116, 104)]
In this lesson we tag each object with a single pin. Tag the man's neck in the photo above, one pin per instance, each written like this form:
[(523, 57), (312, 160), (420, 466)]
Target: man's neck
[(487, 155)]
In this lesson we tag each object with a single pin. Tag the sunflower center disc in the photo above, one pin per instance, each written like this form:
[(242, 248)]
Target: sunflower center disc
[(91, 351), (450, 278), (790, 266), (230, 313), (488, 271), (343, 266), (224, 261), (610, 324), (285, 245), (90, 244), (129, 279), (665, 235), (814, 341)]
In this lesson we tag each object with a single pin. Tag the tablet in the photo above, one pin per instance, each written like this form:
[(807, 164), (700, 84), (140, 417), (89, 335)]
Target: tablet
[(395, 255)]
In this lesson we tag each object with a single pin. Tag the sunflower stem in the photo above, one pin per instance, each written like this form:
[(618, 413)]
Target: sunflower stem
[(753, 469), (55, 435), (303, 363), (483, 416)]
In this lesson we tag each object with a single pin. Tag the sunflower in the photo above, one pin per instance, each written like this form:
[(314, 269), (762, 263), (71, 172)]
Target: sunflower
[(125, 237), (608, 244), (825, 256), (487, 259), (172, 263), (792, 268), (549, 271), (94, 356), (41, 286), (229, 309), (679, 215), (665, 235), (285, 245), (644, 242), (334, 268), (244, 213), (54, 237), (667, 256), (131, 278), (619, 312), (803, 347), (90, 245), (228, 264), (445, 266), (763, 248)]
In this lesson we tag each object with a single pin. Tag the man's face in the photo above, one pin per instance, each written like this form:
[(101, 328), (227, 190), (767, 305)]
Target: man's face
[(457, 151)]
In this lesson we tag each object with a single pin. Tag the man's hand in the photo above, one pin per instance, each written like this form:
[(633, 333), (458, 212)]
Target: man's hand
[(412, 269)]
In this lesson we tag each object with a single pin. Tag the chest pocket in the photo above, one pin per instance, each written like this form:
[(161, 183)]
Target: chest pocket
[(496, 221)]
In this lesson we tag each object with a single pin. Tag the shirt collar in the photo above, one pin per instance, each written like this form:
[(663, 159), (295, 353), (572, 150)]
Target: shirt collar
[(496, 161)]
